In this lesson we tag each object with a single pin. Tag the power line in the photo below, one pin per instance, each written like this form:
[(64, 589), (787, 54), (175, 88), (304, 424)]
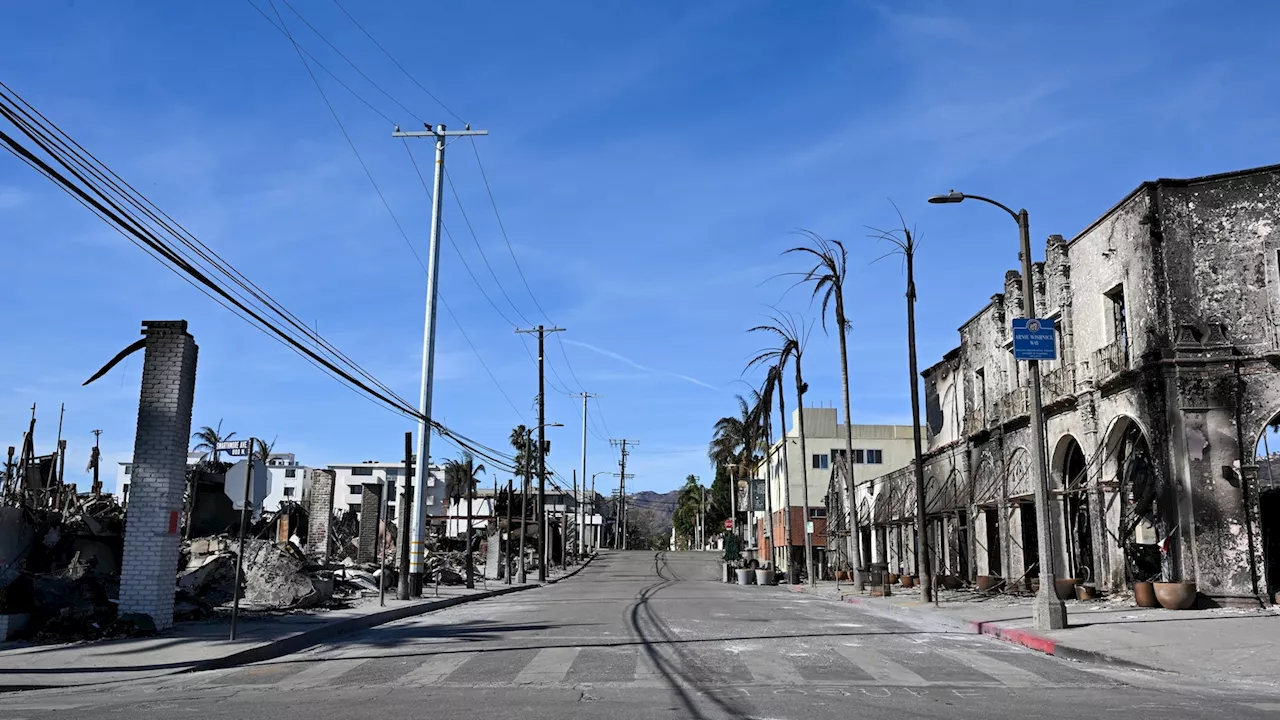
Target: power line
[(484, 257)]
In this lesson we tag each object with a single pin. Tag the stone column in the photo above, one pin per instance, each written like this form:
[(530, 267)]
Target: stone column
[(370, 503), (319, 515), (151, 540)]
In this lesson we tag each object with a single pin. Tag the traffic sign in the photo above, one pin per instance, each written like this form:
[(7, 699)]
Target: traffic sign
[(728, 524), (234, 485), (808, 527), (235, 448), (1033, 339)]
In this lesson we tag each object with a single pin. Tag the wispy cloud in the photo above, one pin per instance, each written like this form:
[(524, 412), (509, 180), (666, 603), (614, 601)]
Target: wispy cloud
[(638, 366)]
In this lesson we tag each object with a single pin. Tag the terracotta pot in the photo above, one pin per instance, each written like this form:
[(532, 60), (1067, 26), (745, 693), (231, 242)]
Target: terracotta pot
[(842, 575), (1144, 595), (987, 583), (1176, 595), (1086, 592), (1065, 587), (950, 582), (908, 581), (765, 577), (893, 578)]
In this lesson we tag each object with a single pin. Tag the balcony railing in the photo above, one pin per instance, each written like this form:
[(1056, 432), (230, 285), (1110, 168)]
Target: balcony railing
[(1059, 383), (1111, 359), (1015, 403)]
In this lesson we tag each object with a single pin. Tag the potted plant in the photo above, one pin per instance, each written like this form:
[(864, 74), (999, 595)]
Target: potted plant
[(1175, 595), (908, 581)]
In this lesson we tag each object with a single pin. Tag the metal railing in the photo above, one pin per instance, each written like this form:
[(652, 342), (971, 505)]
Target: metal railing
[(1111, 359), (1015, 403), (1059, 383)]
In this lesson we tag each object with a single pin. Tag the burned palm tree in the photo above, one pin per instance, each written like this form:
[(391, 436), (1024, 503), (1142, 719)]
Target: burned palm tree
[(828, 275), (904, 242), (792, 335)]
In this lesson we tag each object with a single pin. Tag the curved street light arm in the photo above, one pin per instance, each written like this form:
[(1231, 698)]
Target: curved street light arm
[(1000, 205)]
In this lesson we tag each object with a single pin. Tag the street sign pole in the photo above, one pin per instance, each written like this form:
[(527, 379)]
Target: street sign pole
[(244, 522)]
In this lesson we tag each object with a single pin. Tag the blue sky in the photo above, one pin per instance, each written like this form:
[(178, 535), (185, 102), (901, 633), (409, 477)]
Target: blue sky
[(650, 162)]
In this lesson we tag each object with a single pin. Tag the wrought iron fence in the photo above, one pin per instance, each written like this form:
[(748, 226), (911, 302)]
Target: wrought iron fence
[(1111, 359)]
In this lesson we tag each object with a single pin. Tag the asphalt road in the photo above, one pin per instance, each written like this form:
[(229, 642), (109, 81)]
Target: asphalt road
[(652, 635)]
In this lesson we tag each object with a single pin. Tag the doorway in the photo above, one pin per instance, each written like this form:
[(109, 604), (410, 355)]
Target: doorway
[(1269, 506), (991, 521), (1030, 539)]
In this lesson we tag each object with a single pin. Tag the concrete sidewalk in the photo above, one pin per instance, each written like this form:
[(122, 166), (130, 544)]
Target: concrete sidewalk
[(204, 645), (1219, 644)]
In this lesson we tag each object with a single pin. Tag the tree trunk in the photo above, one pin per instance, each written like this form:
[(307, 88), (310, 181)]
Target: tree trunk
[(768, 481), (922, 527), (804, 476), (855, 536), (786, 479)]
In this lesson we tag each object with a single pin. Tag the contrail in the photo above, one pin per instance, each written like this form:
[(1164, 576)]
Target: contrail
[(638, 366)]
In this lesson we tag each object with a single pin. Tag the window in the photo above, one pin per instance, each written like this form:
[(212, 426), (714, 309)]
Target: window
[(837, 453), (820, 462), (817, 513), (128, 469), (875, 457), (361, 471), (393, 473), (355, 489), (859, 456), (353, 507), (292, 472), (1119, 320), (288, 492), (980, 382), (124, 495)]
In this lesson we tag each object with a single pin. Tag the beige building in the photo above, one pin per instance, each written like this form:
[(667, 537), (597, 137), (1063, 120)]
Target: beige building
[(877, 450)]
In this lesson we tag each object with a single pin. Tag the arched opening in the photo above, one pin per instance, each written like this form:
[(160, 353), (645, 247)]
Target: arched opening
[(1147, 517), (1070, 479), (1024, 537), (1267, 452), (987, 492)]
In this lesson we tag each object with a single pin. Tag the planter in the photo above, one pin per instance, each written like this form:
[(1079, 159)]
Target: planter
[(765, 577), (1086, 592), (950, 582), (746, 576), (908, 581), (842, 575), (1033, 585), (1066, 588), (893, 578), (1144, 595), (987, 583), (1176, 595)]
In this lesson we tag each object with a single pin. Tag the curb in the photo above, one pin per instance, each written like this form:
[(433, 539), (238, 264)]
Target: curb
[(576, 570), (1015, 636)]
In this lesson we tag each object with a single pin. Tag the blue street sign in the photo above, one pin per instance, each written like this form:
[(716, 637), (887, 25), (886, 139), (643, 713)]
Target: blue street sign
[(1033, 339)]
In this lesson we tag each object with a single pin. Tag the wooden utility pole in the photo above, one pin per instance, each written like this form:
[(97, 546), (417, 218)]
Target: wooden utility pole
[(471, 491), (506, 547), (404, 535), (541, 331), (96, 461), (622, 484)]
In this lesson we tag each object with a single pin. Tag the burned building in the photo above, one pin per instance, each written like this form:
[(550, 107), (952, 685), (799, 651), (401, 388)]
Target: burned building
[(1165, 380)]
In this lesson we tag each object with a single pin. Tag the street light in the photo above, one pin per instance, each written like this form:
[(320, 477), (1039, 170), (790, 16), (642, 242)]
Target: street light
[(1047, 610), (524, 493)]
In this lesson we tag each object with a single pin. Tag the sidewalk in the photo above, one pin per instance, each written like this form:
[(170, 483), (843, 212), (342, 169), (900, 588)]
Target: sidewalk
[(204, 645), (1221, 644)]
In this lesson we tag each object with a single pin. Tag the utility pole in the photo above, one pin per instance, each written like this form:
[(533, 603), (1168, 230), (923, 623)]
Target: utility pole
[(471, 491), (403, 586), (506, 547), (541, 331), (381, 549), (702, 518), (97, 455), (578, 519), (244, 526), (418, 538), (622, 483), (524, 505)]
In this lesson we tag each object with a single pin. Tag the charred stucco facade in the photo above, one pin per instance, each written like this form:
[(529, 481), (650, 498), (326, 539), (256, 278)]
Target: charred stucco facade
[(1169, 350)]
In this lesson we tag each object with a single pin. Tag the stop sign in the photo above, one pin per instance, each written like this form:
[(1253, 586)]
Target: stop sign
[(728, 524), (234, 484)]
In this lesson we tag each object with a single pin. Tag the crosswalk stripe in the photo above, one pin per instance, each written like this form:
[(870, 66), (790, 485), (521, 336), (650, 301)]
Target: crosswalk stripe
[(550, 665), (880, 667), (771, 671), (434, 669), (320, 673), (1007, 673)]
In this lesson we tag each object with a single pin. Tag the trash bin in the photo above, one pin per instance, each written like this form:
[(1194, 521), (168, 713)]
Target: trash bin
[(877, 573), (765, 576), (746, 576)]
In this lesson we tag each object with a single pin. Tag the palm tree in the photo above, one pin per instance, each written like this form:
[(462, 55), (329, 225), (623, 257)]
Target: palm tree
[(828, 276), (262, 450), (461, 478), (519, 440), (792, 336), (904, 242), (209, 437), (764, 416)]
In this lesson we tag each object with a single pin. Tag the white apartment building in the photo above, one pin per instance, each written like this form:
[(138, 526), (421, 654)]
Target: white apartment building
[(287, 479), (350, 479)]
